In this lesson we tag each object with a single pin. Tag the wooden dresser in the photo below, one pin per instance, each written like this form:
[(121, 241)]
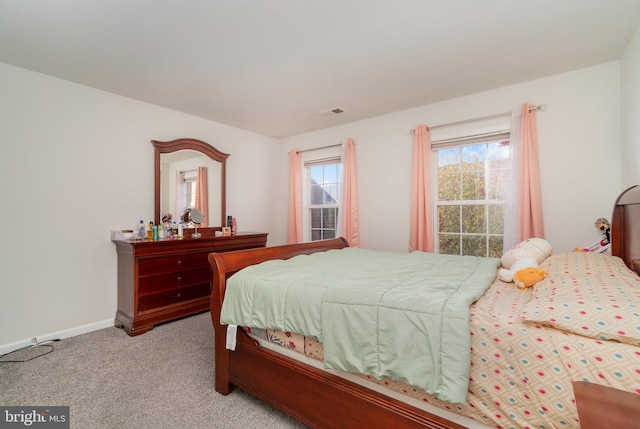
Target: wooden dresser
[(159, 281)]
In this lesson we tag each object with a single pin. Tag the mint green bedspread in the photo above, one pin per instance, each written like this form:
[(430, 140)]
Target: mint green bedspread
[(401, 315)]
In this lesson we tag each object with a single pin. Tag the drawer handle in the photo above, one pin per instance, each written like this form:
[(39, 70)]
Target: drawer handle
[(178, 296), (179, 278), (179, 262)]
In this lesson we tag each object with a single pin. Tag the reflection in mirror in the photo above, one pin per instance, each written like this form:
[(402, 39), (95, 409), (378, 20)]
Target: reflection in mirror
[(182, 175), (190, 173)]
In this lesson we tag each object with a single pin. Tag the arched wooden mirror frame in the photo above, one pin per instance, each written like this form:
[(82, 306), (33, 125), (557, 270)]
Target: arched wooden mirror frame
[(198, 146)]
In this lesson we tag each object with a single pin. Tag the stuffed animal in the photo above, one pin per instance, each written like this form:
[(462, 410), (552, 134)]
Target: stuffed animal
[(536, 248), (526, 255), (603, 225), (528, 277), (506, 275)]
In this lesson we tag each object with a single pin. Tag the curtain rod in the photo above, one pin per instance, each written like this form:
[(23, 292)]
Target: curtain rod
[(440, 143), (540, 107), (318, 148)]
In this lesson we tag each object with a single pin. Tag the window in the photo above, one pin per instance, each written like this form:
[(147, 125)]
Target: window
[(323, 180), (190, 179), (469, 212)]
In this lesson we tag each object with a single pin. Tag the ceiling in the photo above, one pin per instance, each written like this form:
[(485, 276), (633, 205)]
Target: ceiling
[(275, 67)]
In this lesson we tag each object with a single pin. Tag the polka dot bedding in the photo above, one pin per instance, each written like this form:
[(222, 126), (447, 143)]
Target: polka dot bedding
[(581, 323)]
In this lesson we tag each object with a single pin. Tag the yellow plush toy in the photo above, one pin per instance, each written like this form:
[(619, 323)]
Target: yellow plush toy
[(528, 277)]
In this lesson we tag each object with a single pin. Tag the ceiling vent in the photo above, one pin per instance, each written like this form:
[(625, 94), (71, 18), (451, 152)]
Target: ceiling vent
[(334, 111)]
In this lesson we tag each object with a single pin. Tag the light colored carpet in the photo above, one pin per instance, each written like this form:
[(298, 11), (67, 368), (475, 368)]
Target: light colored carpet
[(160, 379)]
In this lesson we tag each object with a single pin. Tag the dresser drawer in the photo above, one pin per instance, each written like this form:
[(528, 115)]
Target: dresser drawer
[(164, 280), (148, 267), (160, 282), (173, 296)]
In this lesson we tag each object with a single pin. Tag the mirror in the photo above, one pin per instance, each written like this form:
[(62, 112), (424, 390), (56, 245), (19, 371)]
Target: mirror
[(178, 164), (193, 216)]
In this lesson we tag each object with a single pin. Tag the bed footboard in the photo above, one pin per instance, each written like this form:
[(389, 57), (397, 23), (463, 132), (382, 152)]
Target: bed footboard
[(224, 265), (315, 397)]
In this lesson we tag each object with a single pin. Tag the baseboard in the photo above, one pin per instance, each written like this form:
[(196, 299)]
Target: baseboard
[(60, 335)]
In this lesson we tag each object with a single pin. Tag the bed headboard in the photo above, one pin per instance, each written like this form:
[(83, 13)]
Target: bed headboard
[(625, 228)]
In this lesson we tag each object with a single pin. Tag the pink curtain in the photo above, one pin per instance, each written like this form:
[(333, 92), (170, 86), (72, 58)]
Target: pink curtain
[(531, 224), (349, 209), (421, 228), (295, 197), (202, 194)]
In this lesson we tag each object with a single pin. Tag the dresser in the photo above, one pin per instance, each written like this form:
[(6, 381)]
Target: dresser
[(163, 280)]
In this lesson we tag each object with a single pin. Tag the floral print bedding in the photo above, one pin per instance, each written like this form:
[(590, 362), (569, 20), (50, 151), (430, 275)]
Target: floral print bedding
[(582, 323)]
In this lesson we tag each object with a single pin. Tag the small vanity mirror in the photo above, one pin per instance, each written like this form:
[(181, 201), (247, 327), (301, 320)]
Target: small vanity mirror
[(190, 173), (192, 216)]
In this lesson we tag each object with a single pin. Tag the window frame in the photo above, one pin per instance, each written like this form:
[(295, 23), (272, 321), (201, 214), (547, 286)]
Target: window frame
[(468, 139), (331, 155)]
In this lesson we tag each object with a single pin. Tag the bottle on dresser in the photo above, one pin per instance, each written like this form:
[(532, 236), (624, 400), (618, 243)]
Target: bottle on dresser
[(141, 230)]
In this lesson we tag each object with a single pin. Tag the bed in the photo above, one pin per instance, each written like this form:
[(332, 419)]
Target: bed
[(528, 348)]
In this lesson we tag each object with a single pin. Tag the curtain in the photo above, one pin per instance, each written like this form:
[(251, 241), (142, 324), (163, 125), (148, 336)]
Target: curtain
[(294, 234), (421, 227), (523, 200), (348, 214), (531, 224), (179, 197), (512, 192), (202, 195)]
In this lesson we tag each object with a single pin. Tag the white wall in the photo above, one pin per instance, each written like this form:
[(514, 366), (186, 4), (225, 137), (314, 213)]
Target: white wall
[(75, 163), (579, 144), (630, 72)]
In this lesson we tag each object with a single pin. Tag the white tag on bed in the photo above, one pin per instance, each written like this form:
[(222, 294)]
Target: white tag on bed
[(232, 331)]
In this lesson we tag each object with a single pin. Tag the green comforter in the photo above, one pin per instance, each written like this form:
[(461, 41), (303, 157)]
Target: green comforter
[(401, 315)]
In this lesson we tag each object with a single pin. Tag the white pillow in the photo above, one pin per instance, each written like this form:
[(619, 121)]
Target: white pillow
[(536, 248)]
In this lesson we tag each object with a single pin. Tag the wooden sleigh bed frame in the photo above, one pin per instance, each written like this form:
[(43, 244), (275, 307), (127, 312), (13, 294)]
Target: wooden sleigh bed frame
[(321, 399)]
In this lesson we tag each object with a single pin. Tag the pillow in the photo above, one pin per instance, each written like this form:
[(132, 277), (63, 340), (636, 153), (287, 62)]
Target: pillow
[(569, 263), (597, 306), (536, 248)]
